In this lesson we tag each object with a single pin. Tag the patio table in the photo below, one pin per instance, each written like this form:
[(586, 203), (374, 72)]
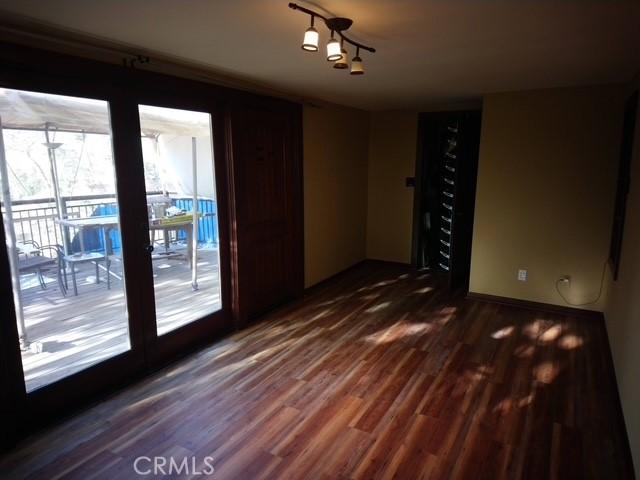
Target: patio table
[(174, 224), (107, 223)]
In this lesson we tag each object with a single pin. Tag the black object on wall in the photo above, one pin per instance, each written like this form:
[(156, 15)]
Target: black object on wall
[(624, 181), (446, 172)]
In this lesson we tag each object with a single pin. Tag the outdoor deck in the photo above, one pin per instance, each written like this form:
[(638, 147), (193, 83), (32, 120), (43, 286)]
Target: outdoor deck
[(68, 334)]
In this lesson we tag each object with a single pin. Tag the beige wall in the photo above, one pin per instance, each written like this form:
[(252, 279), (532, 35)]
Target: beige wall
[(622, 311), (546, 182), (335, 189), (392, 157)]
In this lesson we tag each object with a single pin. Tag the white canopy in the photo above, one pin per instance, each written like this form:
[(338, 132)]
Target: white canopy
[(172, 128), (33, 111)]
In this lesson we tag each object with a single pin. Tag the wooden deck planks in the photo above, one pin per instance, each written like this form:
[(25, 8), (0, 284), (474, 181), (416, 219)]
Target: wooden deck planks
[(77, 331)]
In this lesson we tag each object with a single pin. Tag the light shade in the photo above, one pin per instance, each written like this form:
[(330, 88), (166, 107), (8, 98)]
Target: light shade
[(310, 42), (342, 61), (333, 50), (357, 68)]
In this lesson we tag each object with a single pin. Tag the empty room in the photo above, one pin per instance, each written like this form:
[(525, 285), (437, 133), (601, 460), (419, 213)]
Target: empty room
[(362, 239)]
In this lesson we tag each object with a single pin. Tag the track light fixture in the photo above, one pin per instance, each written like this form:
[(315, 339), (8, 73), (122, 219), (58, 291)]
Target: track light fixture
[(336, 51)]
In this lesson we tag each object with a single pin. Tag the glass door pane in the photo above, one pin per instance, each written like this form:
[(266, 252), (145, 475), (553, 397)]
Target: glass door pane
[(181, 198), (60, 209)]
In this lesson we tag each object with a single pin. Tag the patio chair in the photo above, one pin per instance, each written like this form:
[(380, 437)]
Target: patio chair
[(33, 260)]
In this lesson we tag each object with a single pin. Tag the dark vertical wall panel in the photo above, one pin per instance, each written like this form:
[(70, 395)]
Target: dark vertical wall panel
[(12, 390), (266, 181)]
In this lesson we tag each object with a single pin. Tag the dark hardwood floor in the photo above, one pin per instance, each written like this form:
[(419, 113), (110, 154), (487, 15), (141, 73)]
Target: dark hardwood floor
[(377, 374)]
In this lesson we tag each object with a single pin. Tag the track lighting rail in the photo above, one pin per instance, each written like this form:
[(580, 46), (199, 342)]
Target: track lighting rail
[(337, 25)]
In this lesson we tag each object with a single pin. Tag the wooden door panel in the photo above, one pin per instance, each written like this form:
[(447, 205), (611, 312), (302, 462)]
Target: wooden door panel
[(268, 281), (266, 182), (261, 168)]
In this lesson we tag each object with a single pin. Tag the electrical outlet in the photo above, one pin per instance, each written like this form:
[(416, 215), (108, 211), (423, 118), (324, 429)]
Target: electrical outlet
[(522, 275)]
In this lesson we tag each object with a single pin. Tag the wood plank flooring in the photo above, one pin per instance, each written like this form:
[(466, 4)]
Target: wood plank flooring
[(378, 374)]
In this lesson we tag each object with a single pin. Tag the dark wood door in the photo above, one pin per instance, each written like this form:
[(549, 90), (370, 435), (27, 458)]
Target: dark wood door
[(446, 171), (266, 183)]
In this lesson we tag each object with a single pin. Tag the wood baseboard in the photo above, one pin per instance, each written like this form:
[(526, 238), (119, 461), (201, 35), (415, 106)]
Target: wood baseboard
[(336, 276), (543, 307), (322, 283), (375, 261)]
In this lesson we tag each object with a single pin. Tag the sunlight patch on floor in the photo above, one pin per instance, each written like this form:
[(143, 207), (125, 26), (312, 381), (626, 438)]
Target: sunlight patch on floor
[(524, 351), (570, 342), (546, 372), (533, 329), (551, 334), (503, 332), (526, 401), (423, 290), (383, 283), (378, 307), (332, 301), (370, 296)]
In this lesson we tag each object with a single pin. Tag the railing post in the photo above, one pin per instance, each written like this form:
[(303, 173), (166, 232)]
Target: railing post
[(12, 246), (66, 238), (194, 209), (51, 150)]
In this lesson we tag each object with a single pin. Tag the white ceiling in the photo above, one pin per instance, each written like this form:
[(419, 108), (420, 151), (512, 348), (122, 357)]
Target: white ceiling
[(429, 51)]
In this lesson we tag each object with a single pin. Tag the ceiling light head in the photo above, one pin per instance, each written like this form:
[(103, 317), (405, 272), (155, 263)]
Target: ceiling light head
[(310, 42), (342, 62), (357, 68), (333, 49)]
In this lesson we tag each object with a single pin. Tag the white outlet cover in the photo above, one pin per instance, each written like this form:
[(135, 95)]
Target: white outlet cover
[(522, 275)]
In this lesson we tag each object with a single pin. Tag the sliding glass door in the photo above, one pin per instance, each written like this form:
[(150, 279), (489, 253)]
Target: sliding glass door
[(180, 182), (62, 233), (110, 207)]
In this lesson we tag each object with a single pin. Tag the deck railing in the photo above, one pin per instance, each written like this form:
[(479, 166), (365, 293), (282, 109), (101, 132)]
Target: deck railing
[(35, 219)]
